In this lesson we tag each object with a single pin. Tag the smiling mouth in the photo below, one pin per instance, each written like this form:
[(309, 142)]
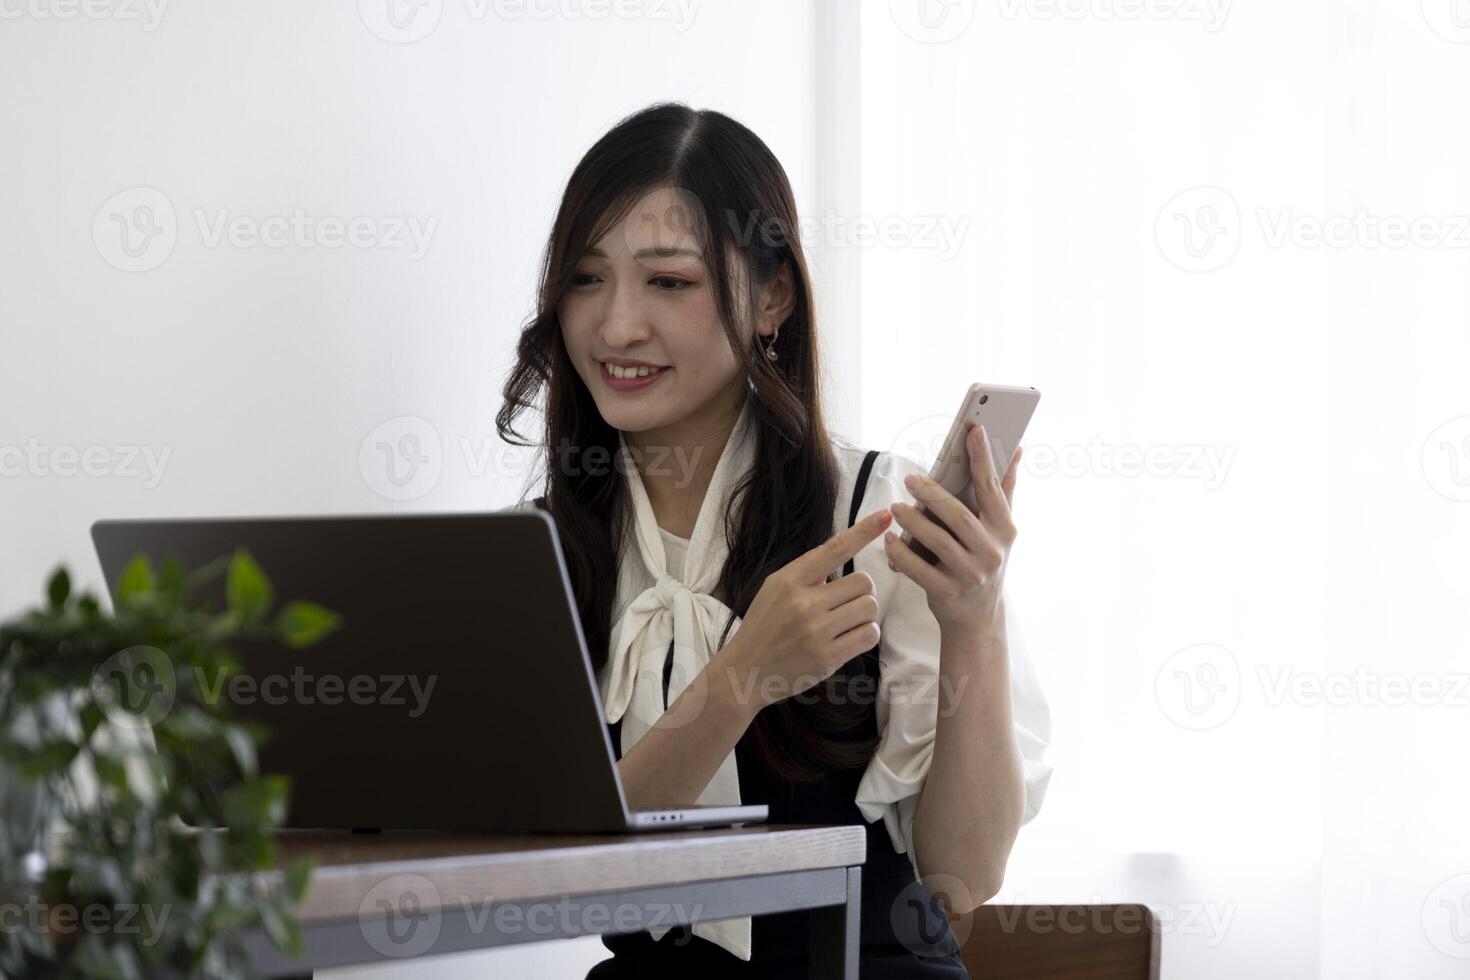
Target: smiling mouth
[(614, 372), (631, 378)]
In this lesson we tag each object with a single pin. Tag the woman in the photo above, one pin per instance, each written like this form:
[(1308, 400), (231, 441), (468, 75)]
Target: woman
[(748, 646)]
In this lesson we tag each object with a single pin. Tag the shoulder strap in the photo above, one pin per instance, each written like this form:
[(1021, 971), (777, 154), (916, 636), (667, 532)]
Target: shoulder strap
[(858, 488)]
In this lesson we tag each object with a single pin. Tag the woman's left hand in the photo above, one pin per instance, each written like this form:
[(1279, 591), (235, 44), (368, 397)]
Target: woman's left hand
[(964, 588)]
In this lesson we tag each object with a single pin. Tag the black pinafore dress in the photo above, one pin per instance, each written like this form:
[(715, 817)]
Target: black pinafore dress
[(902, 932)]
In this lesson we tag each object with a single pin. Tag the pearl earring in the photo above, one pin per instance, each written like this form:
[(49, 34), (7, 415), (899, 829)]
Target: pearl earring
[(771, 349)]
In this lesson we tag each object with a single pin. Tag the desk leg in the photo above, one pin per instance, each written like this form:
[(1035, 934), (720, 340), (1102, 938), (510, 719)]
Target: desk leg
[(833, 943)]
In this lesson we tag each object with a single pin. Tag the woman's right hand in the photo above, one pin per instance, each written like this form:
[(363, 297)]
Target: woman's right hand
[(800, 627)]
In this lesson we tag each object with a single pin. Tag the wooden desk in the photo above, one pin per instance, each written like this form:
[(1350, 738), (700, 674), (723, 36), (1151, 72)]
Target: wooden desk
[(392, 896)]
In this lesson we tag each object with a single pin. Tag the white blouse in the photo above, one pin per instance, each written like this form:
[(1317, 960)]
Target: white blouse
[(663, 595)]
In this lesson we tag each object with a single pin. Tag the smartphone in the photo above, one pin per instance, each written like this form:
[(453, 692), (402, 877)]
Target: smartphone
[(1005, 412)]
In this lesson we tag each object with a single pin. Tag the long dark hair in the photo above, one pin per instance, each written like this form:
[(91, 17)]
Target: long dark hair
[(742, 205)]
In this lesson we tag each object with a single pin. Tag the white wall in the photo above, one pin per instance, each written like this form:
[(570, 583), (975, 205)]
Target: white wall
[(1279, 833), (255, 374)]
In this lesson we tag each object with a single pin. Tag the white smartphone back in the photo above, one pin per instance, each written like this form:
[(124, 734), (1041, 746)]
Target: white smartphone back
[(1005, 412)]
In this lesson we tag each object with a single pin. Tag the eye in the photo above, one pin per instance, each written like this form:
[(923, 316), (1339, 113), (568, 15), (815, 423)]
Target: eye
[(583, 279), (670, 284)]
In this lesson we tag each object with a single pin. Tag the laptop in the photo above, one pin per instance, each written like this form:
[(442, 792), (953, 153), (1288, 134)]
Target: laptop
[(456, 695)]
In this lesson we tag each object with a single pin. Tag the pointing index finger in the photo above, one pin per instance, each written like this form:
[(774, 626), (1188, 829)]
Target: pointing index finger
[(830, 555)]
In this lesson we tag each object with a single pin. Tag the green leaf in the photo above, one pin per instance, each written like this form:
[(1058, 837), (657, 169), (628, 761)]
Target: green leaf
[(305, 623), (171, 577), (256, 803), (58, 589), (282, 930), (111, 772), (49, 758), (247, 590), (242, 745), (91, 718), (136, 579), (298, 876)]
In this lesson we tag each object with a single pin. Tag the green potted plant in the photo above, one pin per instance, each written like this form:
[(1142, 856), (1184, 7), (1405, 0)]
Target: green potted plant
[(134, 822)]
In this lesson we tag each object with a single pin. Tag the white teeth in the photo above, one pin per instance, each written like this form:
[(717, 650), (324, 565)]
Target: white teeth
[(621, 372)]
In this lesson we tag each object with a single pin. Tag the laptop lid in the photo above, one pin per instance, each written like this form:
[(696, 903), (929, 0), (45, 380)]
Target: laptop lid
[(456, 695)]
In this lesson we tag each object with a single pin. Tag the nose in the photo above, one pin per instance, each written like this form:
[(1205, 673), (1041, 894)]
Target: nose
[(624, 318)]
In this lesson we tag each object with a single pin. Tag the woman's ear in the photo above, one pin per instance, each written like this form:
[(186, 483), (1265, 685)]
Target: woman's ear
[(776, 301)]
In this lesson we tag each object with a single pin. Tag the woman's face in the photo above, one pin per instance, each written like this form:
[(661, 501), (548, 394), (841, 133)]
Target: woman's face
[(642, 296)]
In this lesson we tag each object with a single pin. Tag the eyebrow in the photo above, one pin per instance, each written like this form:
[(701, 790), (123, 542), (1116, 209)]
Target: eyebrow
[(653, 252)]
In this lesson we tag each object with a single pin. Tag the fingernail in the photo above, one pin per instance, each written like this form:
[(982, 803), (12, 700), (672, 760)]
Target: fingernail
[(911, 481)]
